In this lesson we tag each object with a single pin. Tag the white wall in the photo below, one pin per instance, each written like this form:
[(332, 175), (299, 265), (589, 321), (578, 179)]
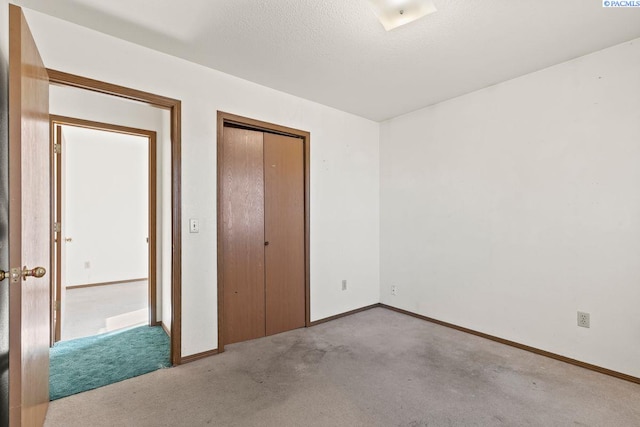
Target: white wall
[(344, 168), (88, 105), (509, 209), (105, 208)]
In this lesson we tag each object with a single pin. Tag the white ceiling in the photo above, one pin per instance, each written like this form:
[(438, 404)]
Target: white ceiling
[(337, 53)]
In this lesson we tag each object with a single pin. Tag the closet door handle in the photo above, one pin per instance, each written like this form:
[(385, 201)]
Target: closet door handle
[(266, 243)]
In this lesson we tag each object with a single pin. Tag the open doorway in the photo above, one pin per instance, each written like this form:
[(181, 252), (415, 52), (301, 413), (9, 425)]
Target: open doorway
[(114, 241), (105, 244), (76, 96)]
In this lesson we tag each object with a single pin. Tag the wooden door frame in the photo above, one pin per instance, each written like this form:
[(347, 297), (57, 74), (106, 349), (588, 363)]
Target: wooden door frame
[(55, 125), (175, 107), (257, 125)]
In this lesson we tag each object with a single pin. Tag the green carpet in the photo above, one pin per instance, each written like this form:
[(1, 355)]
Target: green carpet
[(87, 363)]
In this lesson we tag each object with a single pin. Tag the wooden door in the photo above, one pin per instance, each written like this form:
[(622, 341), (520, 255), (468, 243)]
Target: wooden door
[(242, 211), (29, 226), (284, 231)]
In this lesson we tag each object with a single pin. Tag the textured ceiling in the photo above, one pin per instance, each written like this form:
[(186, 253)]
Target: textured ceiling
[(337, 53)]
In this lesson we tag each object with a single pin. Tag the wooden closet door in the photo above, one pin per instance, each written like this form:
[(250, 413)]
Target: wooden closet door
[(242, 200), (284, 232)]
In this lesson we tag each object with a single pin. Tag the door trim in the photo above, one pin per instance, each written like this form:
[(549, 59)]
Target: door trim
[(175, 108), (247, 123), (56, 123)]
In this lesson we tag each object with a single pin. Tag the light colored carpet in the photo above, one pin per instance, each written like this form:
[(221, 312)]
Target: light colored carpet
[(375, 368), (99, 309)]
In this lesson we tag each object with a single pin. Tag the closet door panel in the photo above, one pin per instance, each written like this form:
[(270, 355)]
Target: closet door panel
[(243, 268), (284, 232)]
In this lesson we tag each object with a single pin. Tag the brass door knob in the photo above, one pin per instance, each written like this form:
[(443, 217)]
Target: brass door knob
[(3, 275), (35, 272)]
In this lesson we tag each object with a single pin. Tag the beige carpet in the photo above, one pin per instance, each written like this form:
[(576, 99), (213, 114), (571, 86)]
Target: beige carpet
[(376, 368), (99, 309)]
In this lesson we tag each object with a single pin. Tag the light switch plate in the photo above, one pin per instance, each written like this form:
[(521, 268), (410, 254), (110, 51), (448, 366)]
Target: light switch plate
[(194, 225)]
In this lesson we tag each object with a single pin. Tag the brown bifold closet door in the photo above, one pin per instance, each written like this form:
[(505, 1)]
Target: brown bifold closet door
[(243, 268), (284, 233)]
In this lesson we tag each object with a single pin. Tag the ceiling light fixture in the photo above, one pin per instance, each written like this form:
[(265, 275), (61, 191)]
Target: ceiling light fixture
[(394, 13)]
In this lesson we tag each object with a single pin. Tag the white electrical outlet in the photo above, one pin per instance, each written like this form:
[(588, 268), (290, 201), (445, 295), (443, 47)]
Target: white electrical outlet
[(584, 320), (394, 290), (344, 285)]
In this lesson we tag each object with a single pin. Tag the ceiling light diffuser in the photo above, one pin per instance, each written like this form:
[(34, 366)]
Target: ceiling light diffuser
[(394, 13)]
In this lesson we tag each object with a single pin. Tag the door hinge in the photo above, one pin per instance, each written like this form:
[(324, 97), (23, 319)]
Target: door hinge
[(56, 227), (57, 148)]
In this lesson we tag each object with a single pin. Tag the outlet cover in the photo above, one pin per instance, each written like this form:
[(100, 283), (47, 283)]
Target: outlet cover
[(584, 320), (394, 290)]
